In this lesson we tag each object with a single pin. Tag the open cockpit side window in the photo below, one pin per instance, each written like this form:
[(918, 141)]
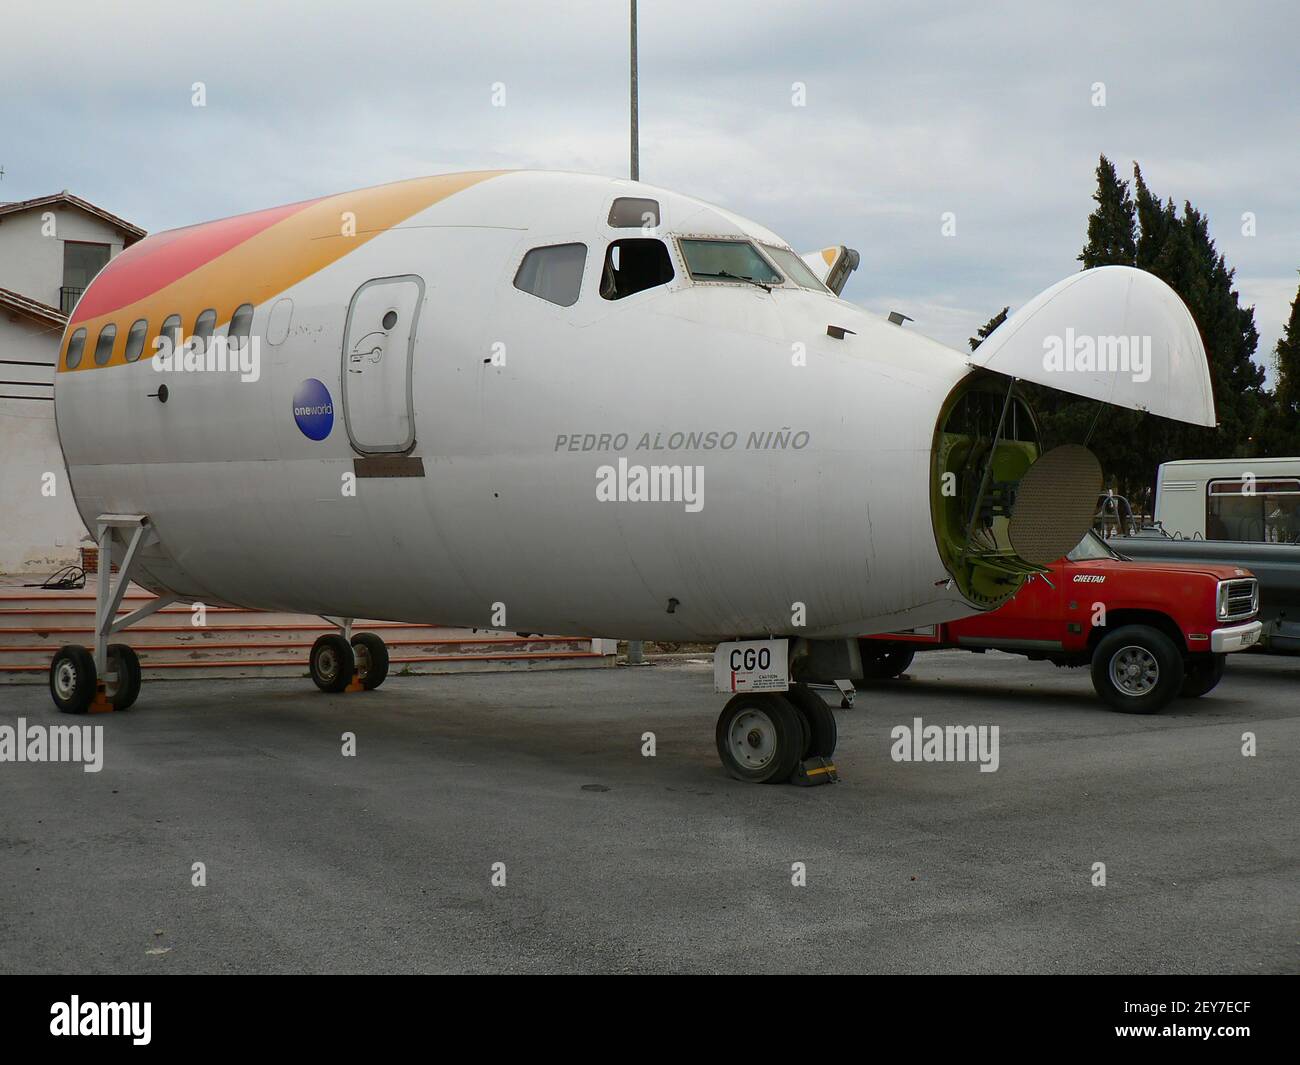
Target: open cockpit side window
[(634, 265)]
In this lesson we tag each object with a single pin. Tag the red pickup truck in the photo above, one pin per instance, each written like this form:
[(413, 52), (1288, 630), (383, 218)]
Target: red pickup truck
[(1149, 630)]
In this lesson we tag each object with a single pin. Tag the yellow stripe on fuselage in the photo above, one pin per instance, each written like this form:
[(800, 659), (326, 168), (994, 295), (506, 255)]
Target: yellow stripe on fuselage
[(270, 261)]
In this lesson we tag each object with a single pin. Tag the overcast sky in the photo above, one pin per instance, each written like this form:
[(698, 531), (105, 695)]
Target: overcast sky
[(912, 110)]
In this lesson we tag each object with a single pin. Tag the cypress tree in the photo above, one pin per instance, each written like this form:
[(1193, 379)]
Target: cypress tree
[(1279, 428)]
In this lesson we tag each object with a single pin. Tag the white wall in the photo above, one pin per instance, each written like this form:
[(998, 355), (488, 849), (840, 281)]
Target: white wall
[(38, 533), (32, 263)]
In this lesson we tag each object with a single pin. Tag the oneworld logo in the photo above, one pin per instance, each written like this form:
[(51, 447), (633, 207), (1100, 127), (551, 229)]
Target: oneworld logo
[(626, 483), (75, 1017), (1074, 353), (313, 409)]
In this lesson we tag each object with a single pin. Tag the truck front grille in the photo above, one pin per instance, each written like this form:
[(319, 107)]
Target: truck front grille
[(1238, 598)]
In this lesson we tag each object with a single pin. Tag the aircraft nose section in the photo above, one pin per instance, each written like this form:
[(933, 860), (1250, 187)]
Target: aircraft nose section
[(1001, 509)]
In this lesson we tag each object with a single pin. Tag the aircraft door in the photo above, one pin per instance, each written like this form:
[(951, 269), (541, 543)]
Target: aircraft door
[(378, 349)]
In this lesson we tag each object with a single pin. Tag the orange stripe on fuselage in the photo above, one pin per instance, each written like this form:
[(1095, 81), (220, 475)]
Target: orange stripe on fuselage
[(148, 266), (245, 259)]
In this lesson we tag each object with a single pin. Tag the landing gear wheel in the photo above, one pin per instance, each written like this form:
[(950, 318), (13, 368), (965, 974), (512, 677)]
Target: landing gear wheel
[(1203, 673), (1137, 669), (759, 737), (821, 721), (884, 662), (72, 679), (331, 663), (371, 654), (123, 661)]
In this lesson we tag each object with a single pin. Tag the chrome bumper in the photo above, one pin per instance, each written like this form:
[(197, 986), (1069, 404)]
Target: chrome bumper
[(1236, 638)]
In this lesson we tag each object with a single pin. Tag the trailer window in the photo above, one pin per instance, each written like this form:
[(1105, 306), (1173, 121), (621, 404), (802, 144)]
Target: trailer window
[(1247, 510)]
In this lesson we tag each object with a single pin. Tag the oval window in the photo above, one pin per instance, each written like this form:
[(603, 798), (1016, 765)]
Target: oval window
[(241, 325), (104, 345), (135, 339), (75, 347), (171, 329), (390, 319), (203, 326)]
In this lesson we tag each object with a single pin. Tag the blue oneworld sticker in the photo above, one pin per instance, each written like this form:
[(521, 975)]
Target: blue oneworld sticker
[(313, 409)]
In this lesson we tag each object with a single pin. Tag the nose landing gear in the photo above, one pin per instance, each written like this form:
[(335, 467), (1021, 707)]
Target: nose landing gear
[(107, 678), (778, 737)]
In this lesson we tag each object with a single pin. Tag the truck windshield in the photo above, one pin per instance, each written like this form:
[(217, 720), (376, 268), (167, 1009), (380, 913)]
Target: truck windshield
[(1091, 548)]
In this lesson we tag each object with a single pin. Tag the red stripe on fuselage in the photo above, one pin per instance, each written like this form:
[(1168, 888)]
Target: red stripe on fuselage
[(157, 261)]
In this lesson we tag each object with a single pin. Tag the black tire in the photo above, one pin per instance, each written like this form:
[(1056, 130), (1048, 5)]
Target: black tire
[(759, 737), (72, 679), (884, 661), (123, 661), (1148, 663), (821, 721), (1203, 673), (331, 663), (371, 656)]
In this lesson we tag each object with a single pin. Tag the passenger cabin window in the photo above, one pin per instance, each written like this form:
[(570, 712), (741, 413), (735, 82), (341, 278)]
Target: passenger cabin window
[(203, 326), (1259, 511), (795, 268), (728, 260), (171, 329), (241, 325), (135, 338), (553, 273), (634, 212), (75, 347), (634, 265), (104, 345)]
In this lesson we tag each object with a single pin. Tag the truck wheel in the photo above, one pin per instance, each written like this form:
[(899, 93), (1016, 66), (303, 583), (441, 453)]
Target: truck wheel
[(824, 733), (1203, 673), (759, 737), (884, 664), (1137, 669)]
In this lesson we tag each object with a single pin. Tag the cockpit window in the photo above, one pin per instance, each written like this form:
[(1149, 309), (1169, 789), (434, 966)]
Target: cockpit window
[(634, 212), (795, 268), (634, 265), (727, 260), (553, 273)]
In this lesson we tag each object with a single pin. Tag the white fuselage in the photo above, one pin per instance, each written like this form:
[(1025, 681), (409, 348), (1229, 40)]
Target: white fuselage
[(818, 510)]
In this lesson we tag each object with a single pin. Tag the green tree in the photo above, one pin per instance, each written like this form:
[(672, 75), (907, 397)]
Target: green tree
[(1279, 426), (1138, 229), (982, 334)]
